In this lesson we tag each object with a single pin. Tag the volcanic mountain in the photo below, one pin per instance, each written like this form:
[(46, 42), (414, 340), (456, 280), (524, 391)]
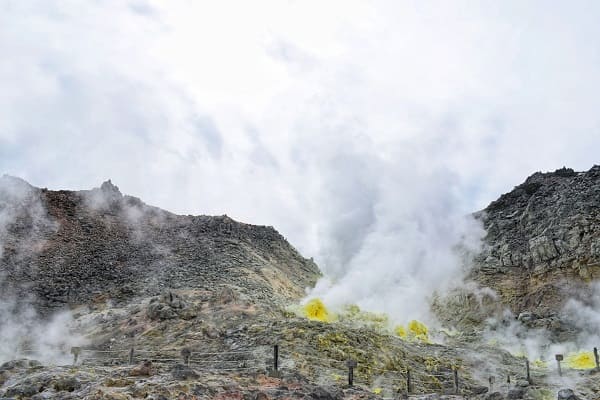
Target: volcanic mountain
[(117, 282)]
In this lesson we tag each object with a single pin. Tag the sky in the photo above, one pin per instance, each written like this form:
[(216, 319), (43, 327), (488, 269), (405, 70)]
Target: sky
[(362, 130)]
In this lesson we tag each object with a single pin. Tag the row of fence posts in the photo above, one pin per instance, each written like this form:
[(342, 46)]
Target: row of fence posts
[(352, 364), (558, 358)]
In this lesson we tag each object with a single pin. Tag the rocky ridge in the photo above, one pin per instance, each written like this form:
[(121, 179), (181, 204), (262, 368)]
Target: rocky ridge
[(69, 248)]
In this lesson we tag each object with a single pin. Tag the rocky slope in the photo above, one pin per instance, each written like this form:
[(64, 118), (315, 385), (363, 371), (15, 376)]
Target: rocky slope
[(69, 248), (543, 243)]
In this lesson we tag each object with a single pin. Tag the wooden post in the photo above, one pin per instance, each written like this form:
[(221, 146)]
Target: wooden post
[(455, 381), (276, 358), (528, 372), (559, 358), (185, 354), (408, 382), (131, 354), (351, 364), (75, 351), (596, 358), (492, 380)]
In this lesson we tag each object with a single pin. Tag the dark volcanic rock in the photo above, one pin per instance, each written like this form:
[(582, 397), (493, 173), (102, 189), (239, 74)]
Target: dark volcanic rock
[(326, 393), (567, 394), (69, 384), (82, 247), (543, 244)]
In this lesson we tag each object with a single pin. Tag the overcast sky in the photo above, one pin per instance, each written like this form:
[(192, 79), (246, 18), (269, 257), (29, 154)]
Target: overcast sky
[(329, 120)]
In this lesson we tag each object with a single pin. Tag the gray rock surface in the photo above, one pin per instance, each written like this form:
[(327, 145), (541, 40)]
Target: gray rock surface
[(543, 244)]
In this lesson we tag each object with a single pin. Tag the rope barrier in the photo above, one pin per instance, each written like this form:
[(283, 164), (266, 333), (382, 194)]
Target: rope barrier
[(385, 371), (235, 369), (328, 360), (225, 362)]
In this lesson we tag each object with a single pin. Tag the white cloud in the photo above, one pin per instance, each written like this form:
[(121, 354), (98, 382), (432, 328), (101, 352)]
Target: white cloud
[(359, 130)]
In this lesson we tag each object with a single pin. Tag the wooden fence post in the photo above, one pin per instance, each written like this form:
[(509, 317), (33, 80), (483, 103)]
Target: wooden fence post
[(351, 364), (408, 382), (131, 354), (455, 380), (528, 372), (596, 358), (276, 358), (185, 354)]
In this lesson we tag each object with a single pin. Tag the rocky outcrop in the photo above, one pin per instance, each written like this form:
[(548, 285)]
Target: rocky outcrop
[(543, 242), (80, 247)]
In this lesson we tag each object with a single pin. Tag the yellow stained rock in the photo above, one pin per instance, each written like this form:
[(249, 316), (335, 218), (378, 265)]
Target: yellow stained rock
[(315, 310), (418, 330), (581, 360), (400, 331)]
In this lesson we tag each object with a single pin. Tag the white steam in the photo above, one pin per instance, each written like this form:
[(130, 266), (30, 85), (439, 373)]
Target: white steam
[(585, 315), (24, 333), (397, 238), (580, 319)]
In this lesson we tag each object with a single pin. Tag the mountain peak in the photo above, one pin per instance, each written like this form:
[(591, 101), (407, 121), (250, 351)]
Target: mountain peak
[(109, 187)]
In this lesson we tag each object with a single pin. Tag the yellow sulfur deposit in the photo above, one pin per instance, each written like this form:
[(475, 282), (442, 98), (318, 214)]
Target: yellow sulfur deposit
[(415, 330), (337, 377), (377, 390), (582, 360), (400, 331), (418, 330), (315, 310)]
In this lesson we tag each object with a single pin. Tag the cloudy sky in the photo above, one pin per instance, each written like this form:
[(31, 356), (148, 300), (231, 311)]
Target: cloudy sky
[(342, 124)]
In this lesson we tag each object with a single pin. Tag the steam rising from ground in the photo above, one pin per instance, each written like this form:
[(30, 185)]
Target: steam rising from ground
[(405, 241), (25, 334), (49, 339), (580, 317), (396, 239), (585, 314)]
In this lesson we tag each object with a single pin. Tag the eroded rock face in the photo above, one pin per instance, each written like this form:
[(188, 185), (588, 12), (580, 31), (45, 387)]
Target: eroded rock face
[(543, 242)]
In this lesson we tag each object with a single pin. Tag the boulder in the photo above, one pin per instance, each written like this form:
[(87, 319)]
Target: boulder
[(145, 368), (567, 394)]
